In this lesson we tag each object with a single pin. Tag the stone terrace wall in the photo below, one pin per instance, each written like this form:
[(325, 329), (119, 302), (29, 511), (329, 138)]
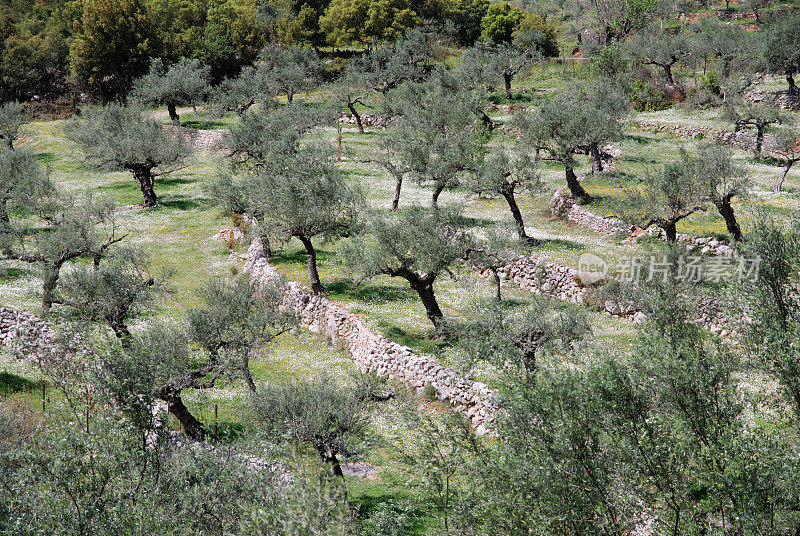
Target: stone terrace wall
[(374, 353), (743, 139), (17, 325), (562, 205)]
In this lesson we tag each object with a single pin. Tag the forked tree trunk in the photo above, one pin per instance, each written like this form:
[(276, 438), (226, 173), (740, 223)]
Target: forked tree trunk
[(597, 158), (507, 77), (173, 113), (671, 230), (191, 426), (726, 211), (508, 194), (313, 275), (144, 176), (573, 183), (778, 187), (357, 116)]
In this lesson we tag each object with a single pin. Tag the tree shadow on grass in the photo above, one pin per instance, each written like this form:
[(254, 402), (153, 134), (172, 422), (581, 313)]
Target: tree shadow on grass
[(204, 124), (416, 341), (12, 274), (346, 289), (299, 257), (45, 159), (11, 384), (180, 204)]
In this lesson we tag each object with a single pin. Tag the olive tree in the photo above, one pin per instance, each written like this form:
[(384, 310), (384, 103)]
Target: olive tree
[(506, 173), (116, 137), (72, 229), (239, 94), (787, 149), (437, 135), (514, 339), (182, 83), (781, 47), (661, 49), (575, 120), (723, 180), (321, 412), (301, 195), (291, 69), (416, 244), (755, 116), (665, 197), (11, 119), (22, 182)]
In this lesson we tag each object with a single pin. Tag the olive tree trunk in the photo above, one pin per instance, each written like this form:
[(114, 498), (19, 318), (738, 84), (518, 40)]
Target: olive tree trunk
[(597, 158), (173, 113), (424, 289), (313, 274), (508, 194), (778, 187), (357, 116), (191, 426), (573, 183), (726, 211), (144, 176)]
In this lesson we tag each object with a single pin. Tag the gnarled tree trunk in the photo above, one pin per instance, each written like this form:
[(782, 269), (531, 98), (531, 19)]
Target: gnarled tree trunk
[(357, 116), (671, 230), (507, 77), (597, 158), (143, 174), (175, 405), (778, 187), (424, 289), (726, 211), (173, 113), (508, 194), (313, 275), (573, 183)]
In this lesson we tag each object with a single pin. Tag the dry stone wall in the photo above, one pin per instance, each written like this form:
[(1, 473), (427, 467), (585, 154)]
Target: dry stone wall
[(743, 139), (374, 353), (563, 206), (24, 327)]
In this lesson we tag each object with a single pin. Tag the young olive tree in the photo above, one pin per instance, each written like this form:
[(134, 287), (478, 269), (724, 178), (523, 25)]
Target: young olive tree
[(301, 195), (11, 119), (416, 244), (758, 117), (506, 173), (437, 135), (787, 149), (22, 183), (290, 69), (665, 197), (124, 138), (781, 47), (574, 120), (723, 180), (182, 83), (321, 412)]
